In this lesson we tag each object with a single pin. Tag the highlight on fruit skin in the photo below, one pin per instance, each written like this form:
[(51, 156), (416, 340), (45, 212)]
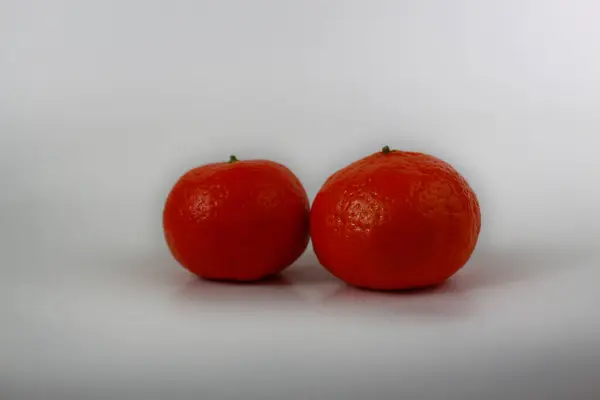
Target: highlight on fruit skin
[(239, 220), (395, 220)]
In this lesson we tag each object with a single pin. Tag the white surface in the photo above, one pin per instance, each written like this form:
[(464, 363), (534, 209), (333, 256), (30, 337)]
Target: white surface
[(103, 104)]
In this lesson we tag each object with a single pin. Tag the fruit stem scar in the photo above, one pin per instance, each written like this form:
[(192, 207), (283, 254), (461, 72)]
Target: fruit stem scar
[(386, 149), (232, 159)]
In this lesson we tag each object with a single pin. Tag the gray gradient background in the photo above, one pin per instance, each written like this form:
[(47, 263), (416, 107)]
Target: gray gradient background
[(103, 104)]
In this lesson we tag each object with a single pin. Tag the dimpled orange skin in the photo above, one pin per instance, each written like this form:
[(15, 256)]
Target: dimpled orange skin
[(240, 221), (395, 220)]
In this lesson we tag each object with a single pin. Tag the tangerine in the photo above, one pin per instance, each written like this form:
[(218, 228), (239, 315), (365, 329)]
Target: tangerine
[(237, 220), (395, 220)]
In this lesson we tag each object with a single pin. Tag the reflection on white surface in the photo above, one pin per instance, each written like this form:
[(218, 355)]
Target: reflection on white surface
[(510, 323)]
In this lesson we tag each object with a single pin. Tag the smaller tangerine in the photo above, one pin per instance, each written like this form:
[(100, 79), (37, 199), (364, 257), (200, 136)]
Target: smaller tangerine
[(237, 220)]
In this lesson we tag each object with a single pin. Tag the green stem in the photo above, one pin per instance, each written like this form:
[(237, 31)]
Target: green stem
[(232, 159), (386, 150)]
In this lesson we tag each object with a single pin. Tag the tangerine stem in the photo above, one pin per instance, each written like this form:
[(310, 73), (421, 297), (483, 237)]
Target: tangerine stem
[(232, 159), (386, 149)]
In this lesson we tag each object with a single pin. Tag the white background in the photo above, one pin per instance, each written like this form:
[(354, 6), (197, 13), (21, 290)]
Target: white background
[(103, 104)]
